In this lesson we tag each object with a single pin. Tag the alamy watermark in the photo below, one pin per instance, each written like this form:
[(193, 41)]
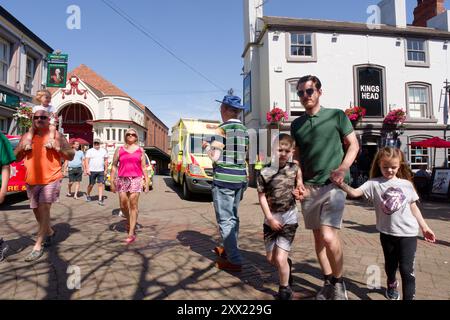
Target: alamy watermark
[(73, 22), (374, 20), (74, 278), (373, 273)]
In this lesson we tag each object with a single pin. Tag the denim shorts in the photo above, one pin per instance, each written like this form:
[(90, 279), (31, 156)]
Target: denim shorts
[(97, 176)]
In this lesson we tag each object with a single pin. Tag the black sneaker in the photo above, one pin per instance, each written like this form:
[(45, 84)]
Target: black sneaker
[(326, 292), (3, 249), (88, 198), (284, 293), (392, 292), (339, 291)]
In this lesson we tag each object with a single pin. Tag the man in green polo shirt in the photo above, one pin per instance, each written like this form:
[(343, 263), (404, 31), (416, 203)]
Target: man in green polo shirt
[(319, 136)]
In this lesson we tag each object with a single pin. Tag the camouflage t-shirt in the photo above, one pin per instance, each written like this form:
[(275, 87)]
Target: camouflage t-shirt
[(278, 187)]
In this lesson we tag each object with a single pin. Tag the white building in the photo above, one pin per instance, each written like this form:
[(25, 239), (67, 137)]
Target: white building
[(91, 108), (380, 67)]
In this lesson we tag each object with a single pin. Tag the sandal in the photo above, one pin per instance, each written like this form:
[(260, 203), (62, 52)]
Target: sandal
[(68, 195), (34, 255), (130, 239)]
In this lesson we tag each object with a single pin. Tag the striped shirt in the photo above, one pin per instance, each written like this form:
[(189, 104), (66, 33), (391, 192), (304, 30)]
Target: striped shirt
[(230, 170)]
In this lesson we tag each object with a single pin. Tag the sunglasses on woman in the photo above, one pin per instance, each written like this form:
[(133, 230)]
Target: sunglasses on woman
[(309, 92), (131, 135)]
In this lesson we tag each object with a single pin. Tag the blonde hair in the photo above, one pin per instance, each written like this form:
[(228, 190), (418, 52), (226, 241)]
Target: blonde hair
[(390, 153), (125, 135), (40, 94)]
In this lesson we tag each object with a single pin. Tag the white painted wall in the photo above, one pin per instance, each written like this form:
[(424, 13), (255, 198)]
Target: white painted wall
[(334, 67)]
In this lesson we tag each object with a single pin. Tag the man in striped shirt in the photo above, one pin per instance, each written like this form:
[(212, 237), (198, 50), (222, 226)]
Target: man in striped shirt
[(228, 151)]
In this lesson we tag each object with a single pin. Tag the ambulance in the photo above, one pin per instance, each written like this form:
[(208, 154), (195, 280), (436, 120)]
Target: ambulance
[(190, 166)]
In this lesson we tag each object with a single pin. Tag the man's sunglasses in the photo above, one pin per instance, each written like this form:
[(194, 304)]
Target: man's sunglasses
[(40, 117), (131, 134), (309, 92)]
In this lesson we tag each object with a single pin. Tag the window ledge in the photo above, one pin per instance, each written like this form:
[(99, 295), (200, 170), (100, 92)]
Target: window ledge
[(424, 120), (301, 59), (417, 64)]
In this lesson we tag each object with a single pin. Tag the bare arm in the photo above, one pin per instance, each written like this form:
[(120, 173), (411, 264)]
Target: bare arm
[(353, 193), (20, 152), (427, 232), (338, 175), (144, 170), (274, 224), (114, 167)]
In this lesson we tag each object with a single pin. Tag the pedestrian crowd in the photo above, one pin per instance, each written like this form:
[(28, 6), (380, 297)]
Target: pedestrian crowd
[(312, 165)]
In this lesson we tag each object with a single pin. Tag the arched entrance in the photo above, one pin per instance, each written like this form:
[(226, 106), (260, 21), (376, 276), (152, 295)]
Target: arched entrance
[(75, 119)]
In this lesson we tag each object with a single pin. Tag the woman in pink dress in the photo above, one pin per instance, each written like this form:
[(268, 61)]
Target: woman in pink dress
[(127, 171)]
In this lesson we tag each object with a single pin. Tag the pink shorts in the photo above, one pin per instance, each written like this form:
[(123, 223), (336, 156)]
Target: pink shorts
[(128, 184), (43, 193)]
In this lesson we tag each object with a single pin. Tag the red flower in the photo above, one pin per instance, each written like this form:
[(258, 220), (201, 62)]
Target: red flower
[(276, 115), (355, 113), (397, 116)]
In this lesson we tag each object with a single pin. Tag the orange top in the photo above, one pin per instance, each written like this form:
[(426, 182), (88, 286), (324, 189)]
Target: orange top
[(43, 165)]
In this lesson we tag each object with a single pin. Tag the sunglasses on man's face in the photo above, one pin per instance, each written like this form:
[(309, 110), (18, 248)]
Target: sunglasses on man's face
[(309, 92), (40, 117), (131, 135)]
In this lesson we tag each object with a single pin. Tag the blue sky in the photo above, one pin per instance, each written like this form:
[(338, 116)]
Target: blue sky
[(208, 34)]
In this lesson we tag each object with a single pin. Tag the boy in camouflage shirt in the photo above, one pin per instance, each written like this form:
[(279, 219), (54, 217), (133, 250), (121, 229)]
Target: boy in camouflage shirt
[(275, 190)]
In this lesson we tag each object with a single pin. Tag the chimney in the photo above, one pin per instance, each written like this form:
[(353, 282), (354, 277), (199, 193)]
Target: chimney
[(393, 12), (253, 9), (427, 9)]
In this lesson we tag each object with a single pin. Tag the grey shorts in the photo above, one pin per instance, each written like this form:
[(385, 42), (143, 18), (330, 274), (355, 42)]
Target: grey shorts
[(324, 206)]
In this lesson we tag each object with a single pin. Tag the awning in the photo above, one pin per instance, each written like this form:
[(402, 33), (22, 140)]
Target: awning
[(157, 153), (434, 142)]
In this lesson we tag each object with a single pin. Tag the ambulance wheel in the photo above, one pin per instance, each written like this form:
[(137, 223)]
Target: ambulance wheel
[(187, 194)]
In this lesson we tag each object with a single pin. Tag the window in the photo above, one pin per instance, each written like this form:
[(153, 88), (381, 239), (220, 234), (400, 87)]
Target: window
[(295, 108), (4, 60), (3, 125), (196, 143), (119, 134), (419, 104), (416, 52), (301, 47), (29, 76), (107, 135), (419, 156), (113, 134)]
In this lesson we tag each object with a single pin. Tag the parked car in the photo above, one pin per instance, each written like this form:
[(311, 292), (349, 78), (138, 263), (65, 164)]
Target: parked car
[(149, 170), (18, 171)]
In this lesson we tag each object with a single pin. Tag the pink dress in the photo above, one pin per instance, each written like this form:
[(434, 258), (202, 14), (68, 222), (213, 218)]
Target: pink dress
[(130, 174)]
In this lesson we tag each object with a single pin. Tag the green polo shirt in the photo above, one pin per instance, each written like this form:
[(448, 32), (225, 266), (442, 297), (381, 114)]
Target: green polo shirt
[(6, 154), (320, 139)]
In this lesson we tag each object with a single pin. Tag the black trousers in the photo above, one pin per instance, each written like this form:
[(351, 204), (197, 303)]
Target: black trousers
[(400, 252)]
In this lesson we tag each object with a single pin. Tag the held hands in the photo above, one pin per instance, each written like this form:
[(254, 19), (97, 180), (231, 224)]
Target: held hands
[(337, 176), (428, 234), (146, 189), (274, 224), (300, 193)]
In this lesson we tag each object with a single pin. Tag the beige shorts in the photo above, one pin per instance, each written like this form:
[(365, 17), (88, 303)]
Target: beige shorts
[(323, 206)]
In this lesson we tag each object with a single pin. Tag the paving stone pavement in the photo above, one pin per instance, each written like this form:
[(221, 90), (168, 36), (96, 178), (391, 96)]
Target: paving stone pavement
[(173, 259)]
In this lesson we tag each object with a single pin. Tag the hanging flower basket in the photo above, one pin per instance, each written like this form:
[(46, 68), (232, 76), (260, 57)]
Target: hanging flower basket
[(24, 115), (355, 114), (395, 117), (276, 116)]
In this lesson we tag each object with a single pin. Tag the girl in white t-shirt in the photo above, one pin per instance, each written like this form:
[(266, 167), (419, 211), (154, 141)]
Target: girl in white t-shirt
[(44, 97), (398, 217)]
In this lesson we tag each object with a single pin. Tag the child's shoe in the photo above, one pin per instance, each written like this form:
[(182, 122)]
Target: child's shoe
[(28, 147), (284, 293), (392, 292), (50, 144)]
